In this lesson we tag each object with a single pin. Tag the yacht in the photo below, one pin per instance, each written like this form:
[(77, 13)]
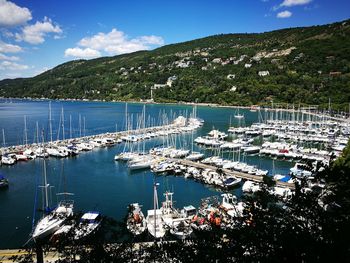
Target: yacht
[(195, 156)]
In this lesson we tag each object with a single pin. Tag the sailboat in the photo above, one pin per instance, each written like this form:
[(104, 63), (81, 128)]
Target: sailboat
[(155, 224), (54, 218), (238, 115), (194, 156)]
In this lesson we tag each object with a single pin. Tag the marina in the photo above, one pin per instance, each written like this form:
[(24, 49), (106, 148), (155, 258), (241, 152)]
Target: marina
[(190, 157)]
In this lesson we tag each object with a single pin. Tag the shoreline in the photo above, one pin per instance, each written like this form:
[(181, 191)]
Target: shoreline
[(202, 104), (310, 110)]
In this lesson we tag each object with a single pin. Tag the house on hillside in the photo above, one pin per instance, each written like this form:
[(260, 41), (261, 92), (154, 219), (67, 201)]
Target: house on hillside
[(334, 73), (264, 73), (157, 86)]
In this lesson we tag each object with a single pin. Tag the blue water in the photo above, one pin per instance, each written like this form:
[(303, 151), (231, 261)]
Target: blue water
[(97, 181)]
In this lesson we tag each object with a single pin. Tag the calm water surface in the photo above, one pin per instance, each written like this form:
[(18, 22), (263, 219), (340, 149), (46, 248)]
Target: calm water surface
[(97, 181)]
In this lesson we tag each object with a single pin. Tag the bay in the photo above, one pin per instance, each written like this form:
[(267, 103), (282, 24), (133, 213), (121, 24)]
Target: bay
[(97, 181)]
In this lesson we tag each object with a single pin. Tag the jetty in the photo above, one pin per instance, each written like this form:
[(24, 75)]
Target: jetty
[(179, 125)]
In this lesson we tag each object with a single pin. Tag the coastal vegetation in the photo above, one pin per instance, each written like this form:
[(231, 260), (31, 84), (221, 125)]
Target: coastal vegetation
[(306, 65)]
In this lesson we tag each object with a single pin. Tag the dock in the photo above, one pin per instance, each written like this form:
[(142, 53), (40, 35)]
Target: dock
[(114, 135), (245, 176)]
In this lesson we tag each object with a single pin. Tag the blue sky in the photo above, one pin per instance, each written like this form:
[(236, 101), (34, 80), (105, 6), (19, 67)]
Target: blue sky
[(38, 35)]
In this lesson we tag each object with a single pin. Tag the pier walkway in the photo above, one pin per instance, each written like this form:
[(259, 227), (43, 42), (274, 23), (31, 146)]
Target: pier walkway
[(244, 176)]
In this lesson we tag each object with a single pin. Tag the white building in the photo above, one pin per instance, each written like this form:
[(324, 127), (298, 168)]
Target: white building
[(264, 73), (231, 76)]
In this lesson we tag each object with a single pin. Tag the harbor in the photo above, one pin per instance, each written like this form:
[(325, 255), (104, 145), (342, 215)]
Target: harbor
[(221, 152)]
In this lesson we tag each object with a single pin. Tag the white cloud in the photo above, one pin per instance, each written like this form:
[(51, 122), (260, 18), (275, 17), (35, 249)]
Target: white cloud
[(82, 53), (284, 14), (12, 58), (9, 48), (295, 2), (12, 14), (116, 42), (153, 40), (8, 65), (35, 34)]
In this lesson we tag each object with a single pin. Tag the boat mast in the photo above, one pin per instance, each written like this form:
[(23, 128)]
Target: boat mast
[(144, 126), (126, 117), (84, 126), (37, 133), (46, 185), (62, 125), (80, 125), (155, 204), (25, 130), (3, 138), (50, 121), (70, 126)]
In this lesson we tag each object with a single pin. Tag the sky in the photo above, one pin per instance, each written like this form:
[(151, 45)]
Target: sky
[(38, 35)]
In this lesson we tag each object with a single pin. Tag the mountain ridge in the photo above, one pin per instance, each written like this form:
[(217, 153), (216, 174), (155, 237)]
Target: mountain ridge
[(303, 65)]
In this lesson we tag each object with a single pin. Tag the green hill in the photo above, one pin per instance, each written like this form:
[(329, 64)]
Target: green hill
[(298, 65)]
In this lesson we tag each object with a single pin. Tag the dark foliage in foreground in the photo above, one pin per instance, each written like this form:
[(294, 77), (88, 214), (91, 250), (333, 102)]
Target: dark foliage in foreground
[(313, 226)]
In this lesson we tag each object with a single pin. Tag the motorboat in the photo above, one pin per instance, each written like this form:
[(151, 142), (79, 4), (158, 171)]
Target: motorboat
[(89, 223), (232, 181), (8, 160), (136, 222)]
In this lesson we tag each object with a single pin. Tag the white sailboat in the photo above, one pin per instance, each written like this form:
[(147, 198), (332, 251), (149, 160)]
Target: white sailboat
[(154, 219), (238, 115), (55, 218), (52, 221)]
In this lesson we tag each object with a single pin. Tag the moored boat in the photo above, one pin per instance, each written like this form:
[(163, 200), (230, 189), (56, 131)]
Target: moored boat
[(89, 224), (53, 220), (136, 222), (155, 224)]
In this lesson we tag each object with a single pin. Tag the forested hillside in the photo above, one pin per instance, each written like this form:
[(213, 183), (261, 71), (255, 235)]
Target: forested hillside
[(298, 65)]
